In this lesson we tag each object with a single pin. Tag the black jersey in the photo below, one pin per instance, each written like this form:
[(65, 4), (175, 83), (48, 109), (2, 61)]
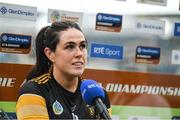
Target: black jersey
[(44, 98)]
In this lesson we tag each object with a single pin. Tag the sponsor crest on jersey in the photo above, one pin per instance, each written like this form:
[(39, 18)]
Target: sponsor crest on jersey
[(57, 108)]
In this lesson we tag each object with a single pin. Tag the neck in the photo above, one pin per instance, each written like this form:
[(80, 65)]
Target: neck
[(68, 82)]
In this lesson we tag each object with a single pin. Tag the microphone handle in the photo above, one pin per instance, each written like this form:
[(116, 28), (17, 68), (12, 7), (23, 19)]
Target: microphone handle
[(102, 109)]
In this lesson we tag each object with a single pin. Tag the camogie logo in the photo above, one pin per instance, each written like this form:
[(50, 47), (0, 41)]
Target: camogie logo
[(57, 108), (55, 16), (3, 10)]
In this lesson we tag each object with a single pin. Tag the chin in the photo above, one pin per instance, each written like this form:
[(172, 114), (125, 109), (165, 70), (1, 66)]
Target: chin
[(77, 73)]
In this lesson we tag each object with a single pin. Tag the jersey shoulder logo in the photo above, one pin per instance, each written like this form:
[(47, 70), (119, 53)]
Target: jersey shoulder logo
[(57, 108)]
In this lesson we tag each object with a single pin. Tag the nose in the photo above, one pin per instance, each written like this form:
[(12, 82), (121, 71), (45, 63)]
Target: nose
[(79, 52)]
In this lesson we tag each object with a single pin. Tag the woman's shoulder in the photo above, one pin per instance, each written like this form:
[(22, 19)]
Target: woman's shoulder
[(29, 87), (42, 79), (35, 85)]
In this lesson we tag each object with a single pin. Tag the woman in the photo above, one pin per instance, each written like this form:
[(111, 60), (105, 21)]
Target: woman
[(53, 87)]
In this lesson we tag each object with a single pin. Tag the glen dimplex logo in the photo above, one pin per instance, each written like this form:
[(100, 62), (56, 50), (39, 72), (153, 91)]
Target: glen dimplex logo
[(3, 10)]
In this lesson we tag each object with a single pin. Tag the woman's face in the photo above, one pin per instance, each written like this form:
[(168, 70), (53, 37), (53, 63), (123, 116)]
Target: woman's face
[(70, 56)]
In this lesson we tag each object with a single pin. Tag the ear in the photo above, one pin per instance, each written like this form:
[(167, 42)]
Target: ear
[(49, 54)]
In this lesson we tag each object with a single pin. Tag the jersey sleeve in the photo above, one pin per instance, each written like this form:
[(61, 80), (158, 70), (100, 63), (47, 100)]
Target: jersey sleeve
[(31, 104)]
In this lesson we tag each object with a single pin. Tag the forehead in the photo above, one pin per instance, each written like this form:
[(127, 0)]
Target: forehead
[(72, 35)]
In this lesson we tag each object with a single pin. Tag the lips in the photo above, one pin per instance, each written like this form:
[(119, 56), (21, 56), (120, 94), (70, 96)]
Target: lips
[(79, 63)]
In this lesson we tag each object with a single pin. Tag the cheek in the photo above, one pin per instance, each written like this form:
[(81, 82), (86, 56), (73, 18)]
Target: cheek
[(59, 58), (61, 62)]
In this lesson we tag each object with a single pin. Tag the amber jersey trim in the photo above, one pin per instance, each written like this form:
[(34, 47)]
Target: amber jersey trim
[(42, 79), (31, 106)]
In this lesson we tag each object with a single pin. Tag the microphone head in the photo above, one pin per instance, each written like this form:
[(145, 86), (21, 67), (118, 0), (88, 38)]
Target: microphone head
[(91, 90)]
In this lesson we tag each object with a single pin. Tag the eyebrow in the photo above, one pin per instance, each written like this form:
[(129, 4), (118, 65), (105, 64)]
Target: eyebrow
[(70, 42)]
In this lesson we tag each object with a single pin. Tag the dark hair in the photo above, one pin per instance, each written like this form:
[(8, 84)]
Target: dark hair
[(48, 37)]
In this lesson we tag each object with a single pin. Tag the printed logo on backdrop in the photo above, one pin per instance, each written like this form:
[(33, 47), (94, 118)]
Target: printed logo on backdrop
[(18, 12), (138, 88), (3, 10), (106, 51), (60, 15), (154, 2), (149, 55), (7, 82), (177, 29), (54, 16), (175, 57), (11, 78), (150, 26), (15, 43), (108, 22)]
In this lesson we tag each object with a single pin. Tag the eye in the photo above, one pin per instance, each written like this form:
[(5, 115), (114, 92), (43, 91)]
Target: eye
[(83, 45), (70, 47)]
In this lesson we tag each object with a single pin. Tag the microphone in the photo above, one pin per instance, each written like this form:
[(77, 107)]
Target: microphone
[(93, 94)]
